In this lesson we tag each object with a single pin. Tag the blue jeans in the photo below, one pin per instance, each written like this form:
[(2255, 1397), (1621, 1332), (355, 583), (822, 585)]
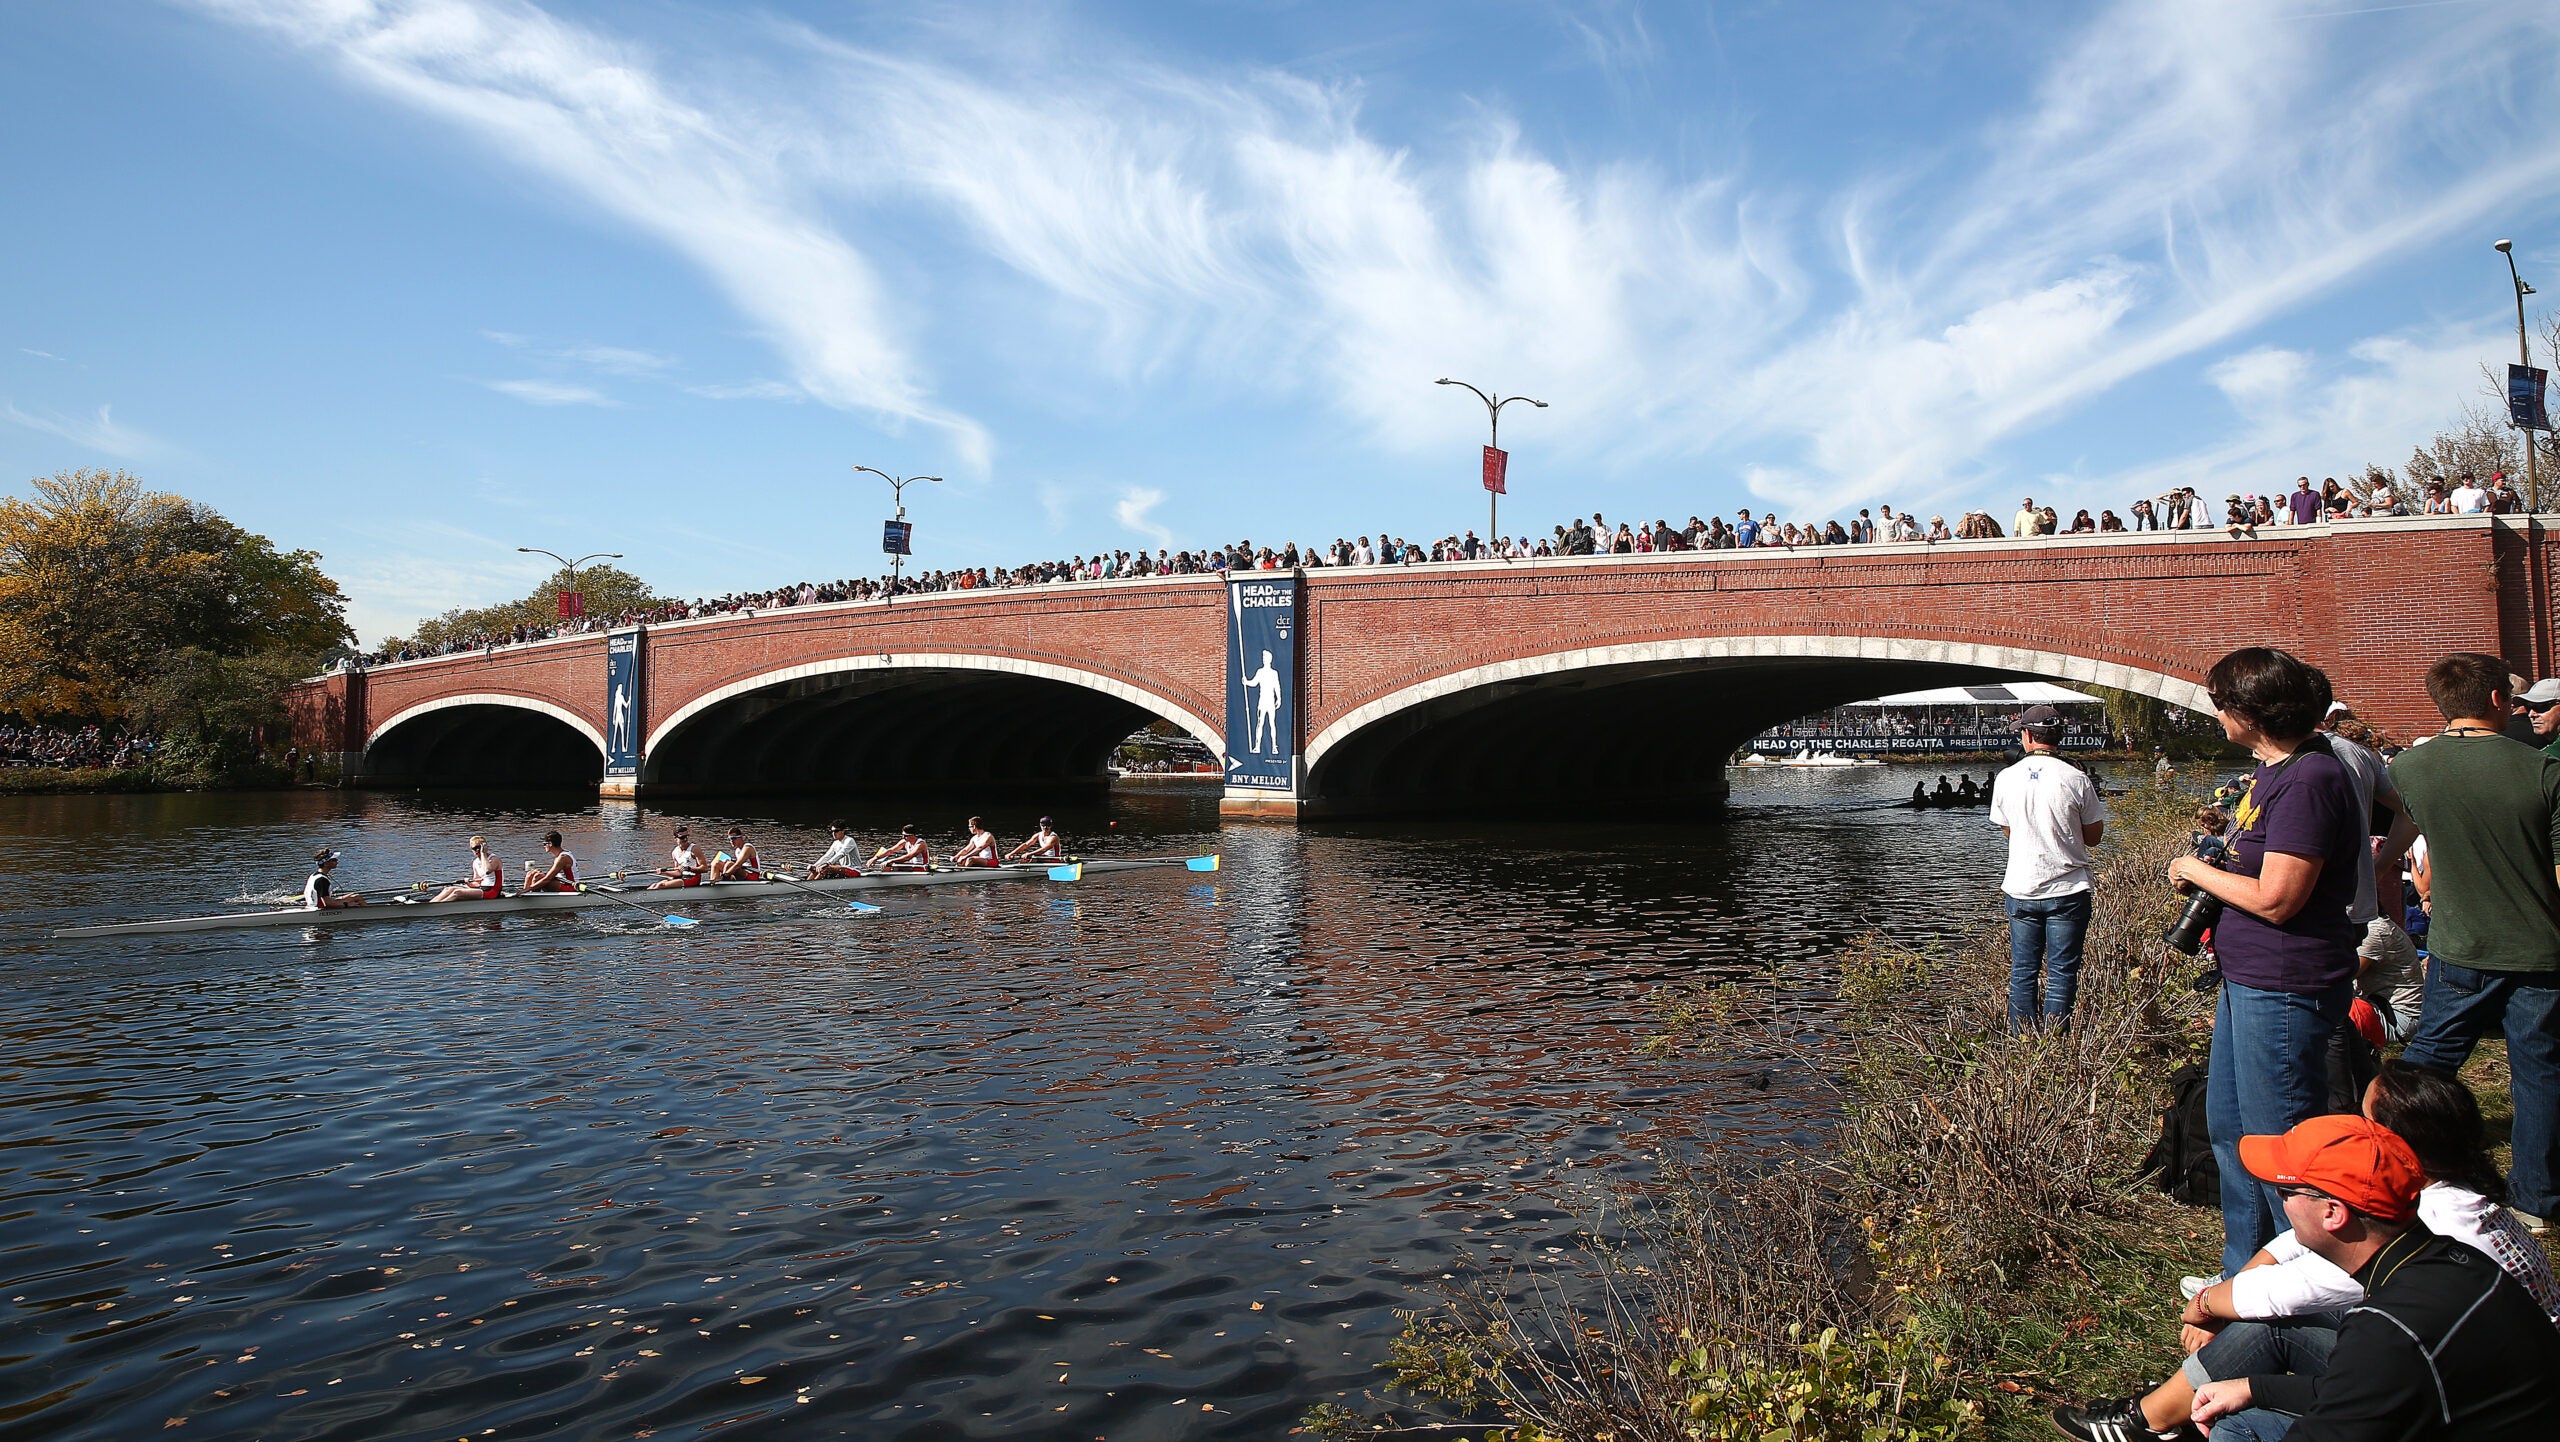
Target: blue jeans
[(2299, 1345), (2268, 1069), (2255, 1425), (2462, 1005), (2045, 935)]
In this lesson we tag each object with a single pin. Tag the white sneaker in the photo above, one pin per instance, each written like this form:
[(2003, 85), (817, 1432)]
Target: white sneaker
[(2189, 1286)]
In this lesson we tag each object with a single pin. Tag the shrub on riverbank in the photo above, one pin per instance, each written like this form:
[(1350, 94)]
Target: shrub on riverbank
[(54, 780), (1978, 1227)]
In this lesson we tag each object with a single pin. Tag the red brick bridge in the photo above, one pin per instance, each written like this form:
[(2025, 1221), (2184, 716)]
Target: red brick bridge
[(1590, 681)]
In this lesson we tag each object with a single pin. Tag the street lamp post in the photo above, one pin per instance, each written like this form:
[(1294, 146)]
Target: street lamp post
[(898, 491), (569, 566), (2524, 354), (1493, 412)]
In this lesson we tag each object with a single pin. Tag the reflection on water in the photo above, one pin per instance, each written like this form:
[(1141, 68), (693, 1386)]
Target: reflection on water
[(1154, 1156)]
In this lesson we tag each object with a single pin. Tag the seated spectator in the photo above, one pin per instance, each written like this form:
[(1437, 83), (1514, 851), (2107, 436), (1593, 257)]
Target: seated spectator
[(2398, 1187), (2108, 521)]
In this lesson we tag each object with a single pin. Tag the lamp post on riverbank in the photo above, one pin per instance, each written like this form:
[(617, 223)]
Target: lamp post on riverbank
[(571, 567), (2524, 356), (897, 538), (1496, 464)]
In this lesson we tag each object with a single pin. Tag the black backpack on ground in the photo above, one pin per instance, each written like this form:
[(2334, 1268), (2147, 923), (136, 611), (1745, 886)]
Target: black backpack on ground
[(2182, 1160)]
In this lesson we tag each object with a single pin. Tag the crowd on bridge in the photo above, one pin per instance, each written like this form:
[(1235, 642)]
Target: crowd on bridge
[(2380, 1276), (2179, 509), (73, 748)]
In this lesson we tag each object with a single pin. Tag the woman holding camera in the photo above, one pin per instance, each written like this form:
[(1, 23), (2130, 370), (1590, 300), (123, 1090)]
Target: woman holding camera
[(2288, 950)]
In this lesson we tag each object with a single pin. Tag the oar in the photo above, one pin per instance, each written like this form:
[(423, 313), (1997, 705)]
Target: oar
[(636, 906), (813, 891)]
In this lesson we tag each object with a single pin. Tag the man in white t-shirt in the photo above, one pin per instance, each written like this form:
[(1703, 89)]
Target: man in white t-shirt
[(2049, 810), (2469, 499)]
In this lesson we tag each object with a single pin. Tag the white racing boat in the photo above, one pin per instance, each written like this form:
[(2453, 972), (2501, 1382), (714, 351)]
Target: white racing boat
[(598, 897)]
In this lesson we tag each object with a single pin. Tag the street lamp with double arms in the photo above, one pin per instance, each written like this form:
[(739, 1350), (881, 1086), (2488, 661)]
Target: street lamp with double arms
[(569, 566), (2524, 354), (898, 490), (1493, 411)]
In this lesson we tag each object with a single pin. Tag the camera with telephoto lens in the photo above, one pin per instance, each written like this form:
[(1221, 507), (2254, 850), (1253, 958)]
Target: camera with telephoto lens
[(2202, 910)]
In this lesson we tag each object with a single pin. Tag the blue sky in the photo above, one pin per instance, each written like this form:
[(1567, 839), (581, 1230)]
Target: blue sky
[(415, 283)]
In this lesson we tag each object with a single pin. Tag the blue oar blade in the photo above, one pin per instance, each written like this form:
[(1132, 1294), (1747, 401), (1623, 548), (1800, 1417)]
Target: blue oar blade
[(862, 906), (680, 921), (1067, 873), (1201, 863)]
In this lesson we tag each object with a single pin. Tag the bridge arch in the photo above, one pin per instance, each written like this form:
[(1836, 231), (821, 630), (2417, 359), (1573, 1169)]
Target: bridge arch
[(905, 721), (1648, 724), (484, 738)]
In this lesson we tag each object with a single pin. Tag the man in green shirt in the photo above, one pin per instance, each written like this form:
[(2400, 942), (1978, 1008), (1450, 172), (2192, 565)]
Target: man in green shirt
[(2541, 701), (2490, 809)]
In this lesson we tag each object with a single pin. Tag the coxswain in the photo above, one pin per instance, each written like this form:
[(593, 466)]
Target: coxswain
[(315, 891), (685, 864), (739, 862), (980, 849), (1045, 845), (488, 878), (838, 859), (557, 872), (907, 853)]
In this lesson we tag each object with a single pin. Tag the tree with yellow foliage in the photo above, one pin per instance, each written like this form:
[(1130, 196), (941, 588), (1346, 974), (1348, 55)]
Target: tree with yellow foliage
[(101, 581)]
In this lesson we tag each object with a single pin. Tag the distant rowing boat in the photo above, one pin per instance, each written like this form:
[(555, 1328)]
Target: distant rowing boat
[(599, 897)]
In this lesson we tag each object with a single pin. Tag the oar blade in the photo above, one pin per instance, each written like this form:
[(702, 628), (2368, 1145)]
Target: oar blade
[(862, 906), (1201, 863), (680, 921), (1074, 872)]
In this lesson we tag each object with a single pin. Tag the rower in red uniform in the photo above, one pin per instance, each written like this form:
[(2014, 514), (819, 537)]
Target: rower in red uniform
[(739, 862), (907, 853), (980, 849), (1045, 845), (488, 876), (557, 873)]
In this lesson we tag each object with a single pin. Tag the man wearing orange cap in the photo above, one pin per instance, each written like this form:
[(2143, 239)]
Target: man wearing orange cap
[(2446, 1346)]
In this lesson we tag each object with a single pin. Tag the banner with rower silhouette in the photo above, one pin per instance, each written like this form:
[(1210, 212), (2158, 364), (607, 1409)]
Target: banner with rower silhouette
[(622, 721), (1262, 682)]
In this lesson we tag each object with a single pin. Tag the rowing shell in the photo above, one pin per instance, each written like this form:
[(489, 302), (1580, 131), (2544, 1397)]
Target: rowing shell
[(586, 901)]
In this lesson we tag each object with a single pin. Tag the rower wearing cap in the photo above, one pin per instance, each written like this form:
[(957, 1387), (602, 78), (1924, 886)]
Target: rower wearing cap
[(488, 878), (1044, 845), (907, 853), (2541, 702), (979, 849), (315, 890), (556, 872), (685, 866), (838, 859), (739, 861)]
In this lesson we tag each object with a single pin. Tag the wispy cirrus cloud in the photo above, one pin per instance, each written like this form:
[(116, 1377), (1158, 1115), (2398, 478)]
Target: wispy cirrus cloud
[(552, 393), (595, 114), (102, 432), (1136, 512), (2178, 172)]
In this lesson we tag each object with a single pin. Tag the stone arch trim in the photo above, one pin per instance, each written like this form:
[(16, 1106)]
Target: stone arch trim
[(1207, 735), (563, 715), (2175, 690)]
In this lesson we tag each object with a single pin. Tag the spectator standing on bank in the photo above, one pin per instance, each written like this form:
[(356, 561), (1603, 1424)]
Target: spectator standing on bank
[(2490, 808), (2287, 948), (2541, 702), (2049, 810)]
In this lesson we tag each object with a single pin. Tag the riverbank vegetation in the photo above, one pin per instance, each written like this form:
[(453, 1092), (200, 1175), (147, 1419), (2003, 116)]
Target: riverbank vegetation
[(1974, 1238), (121, 605)]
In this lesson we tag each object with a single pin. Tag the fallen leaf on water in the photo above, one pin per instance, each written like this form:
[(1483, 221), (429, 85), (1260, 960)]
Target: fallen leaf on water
[(749, 1381)]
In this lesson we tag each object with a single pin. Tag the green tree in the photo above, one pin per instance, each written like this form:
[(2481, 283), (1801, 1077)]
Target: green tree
[(100, 579), (609, 590), (212, 712)]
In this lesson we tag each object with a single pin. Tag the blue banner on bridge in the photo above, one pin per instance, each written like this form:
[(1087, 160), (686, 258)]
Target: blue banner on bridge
[(622, 719), (1262, 682)]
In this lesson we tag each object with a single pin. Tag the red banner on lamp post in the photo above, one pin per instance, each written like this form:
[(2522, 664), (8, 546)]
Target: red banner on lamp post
[(572, 605), (1497, 465)]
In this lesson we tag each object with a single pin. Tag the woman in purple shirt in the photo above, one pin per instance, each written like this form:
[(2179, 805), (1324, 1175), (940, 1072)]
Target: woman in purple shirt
[(2287, 949)]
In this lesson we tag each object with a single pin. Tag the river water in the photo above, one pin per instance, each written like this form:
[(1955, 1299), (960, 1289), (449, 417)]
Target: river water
[(1156, 1155)]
